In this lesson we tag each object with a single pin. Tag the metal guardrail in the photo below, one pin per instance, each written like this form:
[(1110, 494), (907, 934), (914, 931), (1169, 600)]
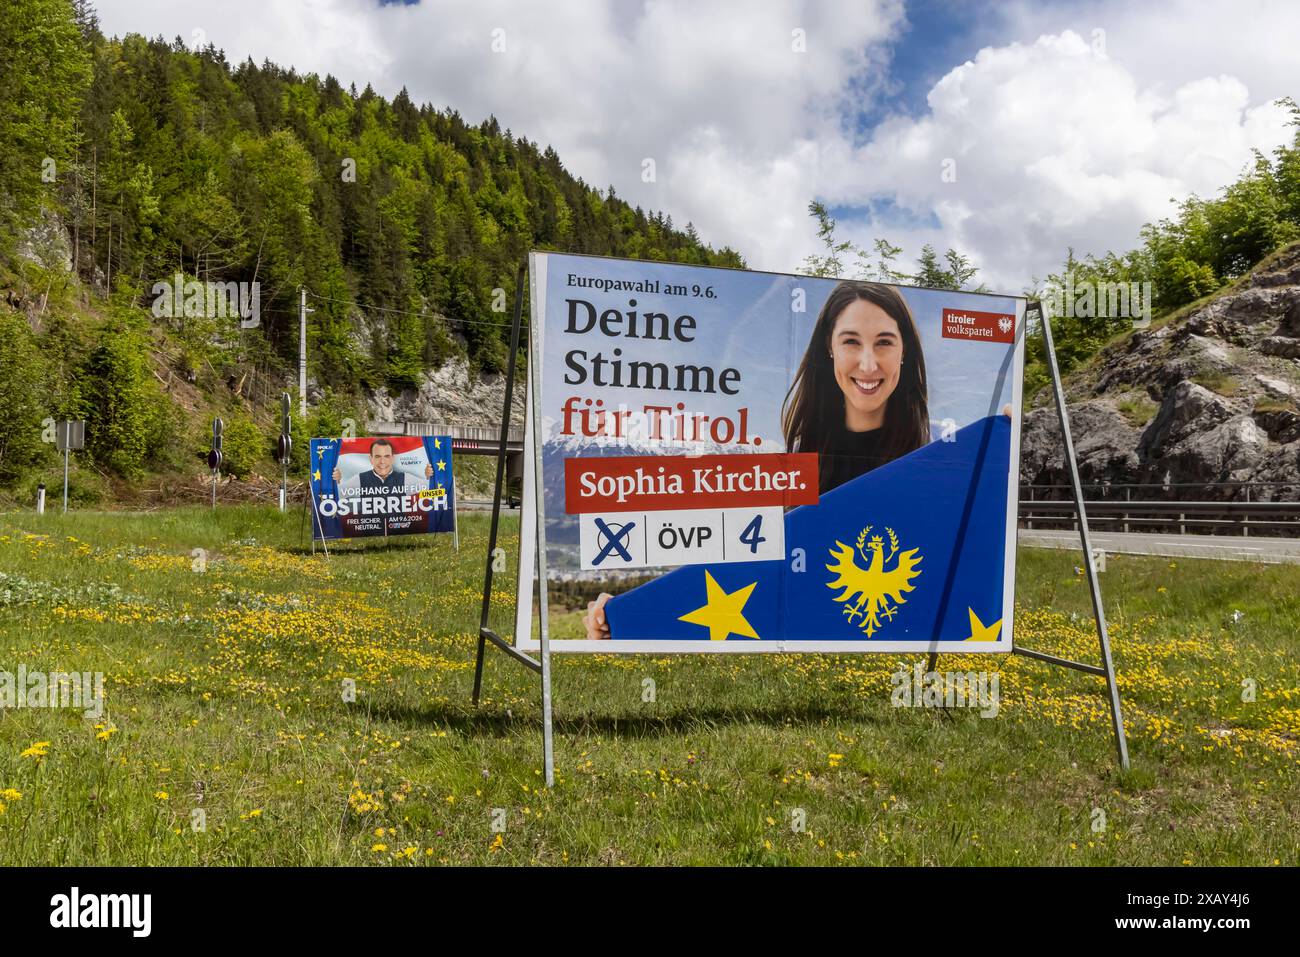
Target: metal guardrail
[(1248, 491), (489, 434), (1273, 518)]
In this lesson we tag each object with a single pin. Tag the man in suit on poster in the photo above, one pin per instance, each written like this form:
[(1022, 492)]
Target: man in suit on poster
[(382, 476)]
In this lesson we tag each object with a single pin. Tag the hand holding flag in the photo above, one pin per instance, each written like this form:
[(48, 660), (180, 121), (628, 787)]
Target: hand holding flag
[(596, 624)]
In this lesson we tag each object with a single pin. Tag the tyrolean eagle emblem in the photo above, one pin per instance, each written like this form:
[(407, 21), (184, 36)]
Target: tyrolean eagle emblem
[(876, 585)]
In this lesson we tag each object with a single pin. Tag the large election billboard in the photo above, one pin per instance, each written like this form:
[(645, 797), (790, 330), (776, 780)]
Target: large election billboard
[(382, 485), (746, 461)]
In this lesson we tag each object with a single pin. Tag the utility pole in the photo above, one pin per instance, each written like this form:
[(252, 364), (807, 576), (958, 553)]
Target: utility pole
[(94, 212), (77, 199), (302, 352)]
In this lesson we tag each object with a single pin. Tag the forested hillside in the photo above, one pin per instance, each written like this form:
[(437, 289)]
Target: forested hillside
[(126, 161), (129, 163)]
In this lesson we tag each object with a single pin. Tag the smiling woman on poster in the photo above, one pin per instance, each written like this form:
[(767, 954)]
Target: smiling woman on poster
[(859, 398)]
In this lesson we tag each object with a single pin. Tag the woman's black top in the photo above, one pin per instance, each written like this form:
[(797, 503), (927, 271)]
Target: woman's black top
[(848, 455)]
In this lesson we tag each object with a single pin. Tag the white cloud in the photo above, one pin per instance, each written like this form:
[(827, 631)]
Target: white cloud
[(1056, 144), (1169, 44)]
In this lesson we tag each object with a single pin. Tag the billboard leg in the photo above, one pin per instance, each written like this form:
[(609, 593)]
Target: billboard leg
[(535, 406), (1107, 669), (65, 481)]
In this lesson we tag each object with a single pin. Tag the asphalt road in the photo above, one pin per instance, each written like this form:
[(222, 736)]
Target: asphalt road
[(1232, 548)]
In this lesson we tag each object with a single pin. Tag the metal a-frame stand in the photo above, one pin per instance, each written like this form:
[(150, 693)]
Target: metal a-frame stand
[(1107, 668), (310, 496), (485, 632)]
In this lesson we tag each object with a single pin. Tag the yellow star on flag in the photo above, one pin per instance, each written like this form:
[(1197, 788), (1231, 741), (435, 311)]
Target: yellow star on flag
[(441, 465), (437, 443), (722, 613), (981, 632), (316, 475)]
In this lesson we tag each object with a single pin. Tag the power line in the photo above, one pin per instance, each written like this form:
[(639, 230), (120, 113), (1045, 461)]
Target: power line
[(417, 315)]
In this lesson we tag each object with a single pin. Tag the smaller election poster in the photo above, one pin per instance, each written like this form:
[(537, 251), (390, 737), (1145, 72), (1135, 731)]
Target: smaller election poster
[(382, 485)]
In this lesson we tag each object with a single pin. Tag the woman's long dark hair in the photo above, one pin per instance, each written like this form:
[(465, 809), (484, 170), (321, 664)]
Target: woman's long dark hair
[(814, 406)]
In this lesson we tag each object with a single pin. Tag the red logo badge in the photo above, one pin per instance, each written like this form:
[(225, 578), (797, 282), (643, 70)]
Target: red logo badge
[(979, 326)]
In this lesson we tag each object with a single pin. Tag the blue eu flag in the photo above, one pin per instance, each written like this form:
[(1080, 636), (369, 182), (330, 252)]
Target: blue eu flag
[(911, 551)]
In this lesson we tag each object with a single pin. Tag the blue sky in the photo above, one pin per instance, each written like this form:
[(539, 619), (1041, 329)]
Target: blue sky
[(1067, 123), (938, 35)]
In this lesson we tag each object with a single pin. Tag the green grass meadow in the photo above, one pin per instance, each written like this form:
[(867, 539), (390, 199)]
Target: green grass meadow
[(225, 671)]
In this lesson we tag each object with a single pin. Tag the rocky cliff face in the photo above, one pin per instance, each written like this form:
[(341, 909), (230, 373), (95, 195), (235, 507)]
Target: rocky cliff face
[(1209, 397), (453, 396)]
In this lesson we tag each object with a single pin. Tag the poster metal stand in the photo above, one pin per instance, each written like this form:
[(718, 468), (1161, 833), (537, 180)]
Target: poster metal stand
[(1107, 668), (487, 635), (308, 497), (485, 632)]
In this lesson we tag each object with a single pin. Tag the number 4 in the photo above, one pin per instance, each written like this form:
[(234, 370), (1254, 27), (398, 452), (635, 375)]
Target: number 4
[(751, 537)]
